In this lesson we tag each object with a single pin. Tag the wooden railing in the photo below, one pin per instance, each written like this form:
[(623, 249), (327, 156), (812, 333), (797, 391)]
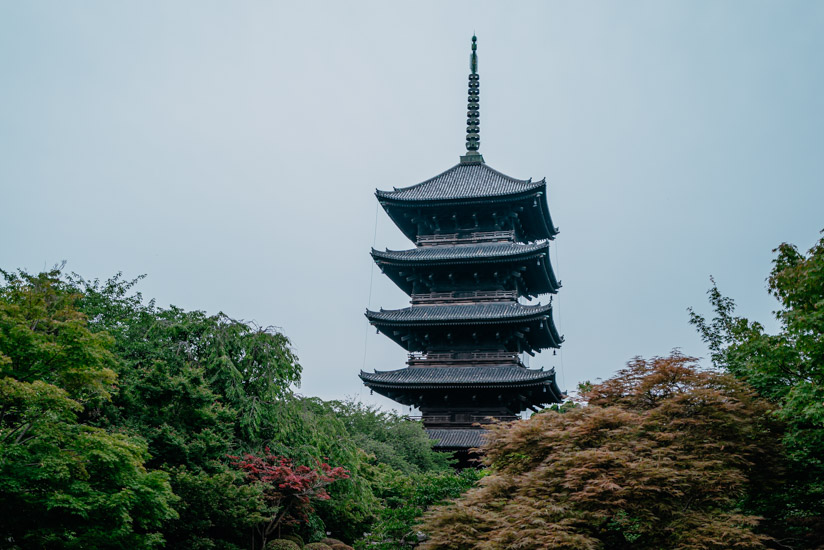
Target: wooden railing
[(461, 419), (421, 358), (465, 296), (458, 238)]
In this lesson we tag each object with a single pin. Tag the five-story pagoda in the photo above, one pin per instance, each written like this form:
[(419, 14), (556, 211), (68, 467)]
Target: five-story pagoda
[(482, 246)]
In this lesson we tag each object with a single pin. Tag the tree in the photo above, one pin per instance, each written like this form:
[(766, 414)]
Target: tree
[(66, 484), (659, 458), (787, 368), (390, 437), (405, 499), (198, 387), (287, 489)]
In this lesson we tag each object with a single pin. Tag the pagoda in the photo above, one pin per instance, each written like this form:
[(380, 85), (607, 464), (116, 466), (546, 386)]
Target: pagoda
[(481, 250)]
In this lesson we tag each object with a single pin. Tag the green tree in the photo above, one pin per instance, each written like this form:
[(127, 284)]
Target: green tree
[(198, 387), (405, 499), (786, 368), (66, 484), (390, 437), (201, 387), (659, 458)]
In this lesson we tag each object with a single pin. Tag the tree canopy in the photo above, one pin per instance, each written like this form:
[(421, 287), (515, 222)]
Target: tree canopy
[(786, 368), (66, 483), (119, 418), (659, 458)]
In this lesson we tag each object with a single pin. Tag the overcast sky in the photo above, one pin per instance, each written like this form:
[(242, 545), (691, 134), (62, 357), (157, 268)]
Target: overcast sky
[(230, 150)]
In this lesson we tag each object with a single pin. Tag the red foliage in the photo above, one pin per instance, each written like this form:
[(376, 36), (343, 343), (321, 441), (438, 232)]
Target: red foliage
[(288, 489)]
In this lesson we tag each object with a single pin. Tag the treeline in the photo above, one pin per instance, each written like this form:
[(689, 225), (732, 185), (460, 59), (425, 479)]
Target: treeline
[(126, 425)]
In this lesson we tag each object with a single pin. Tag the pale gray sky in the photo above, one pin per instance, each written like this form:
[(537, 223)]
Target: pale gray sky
[(230, 150)]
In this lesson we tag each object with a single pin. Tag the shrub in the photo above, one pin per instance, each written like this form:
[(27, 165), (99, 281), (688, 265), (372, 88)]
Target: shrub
[(295, 538), (282, 544), (331, 542), (340, 546), (317, 546)]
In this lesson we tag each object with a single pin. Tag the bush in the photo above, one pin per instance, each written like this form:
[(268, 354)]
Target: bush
[(331, 542), (282, 544), (341, 546), (294, 538), (317, 546)]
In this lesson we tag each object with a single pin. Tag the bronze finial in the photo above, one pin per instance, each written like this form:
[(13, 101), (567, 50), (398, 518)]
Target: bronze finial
[(473, 121)]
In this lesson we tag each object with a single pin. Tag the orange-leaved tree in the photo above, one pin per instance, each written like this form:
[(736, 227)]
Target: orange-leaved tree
[(658, 457)]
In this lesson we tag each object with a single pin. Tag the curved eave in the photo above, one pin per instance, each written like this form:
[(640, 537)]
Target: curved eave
[(410, 393), (544, 229), (542, 334), (386, 198), (373, 380), (407, 257), (541, 282), (529, 313)]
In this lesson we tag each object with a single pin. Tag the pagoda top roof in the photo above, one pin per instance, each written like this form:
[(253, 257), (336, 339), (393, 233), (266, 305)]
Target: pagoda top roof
[(463, 438), (440, 377), (461, 313), (463, 181), (459, 252)]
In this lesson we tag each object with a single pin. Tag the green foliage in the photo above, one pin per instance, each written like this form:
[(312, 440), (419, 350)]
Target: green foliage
[(788, 369), (93, 376), (406, 498), (197, 387), (44, 337), (66, 484), (294, 538), (317, 546), (282, 544), (659, 459), (248, 367), (390, 437), (216, 509)]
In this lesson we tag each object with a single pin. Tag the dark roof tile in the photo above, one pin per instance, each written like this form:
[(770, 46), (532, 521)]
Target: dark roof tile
[(458, 376), (483, 251), (455, 313), (463, 181), (456, 438)]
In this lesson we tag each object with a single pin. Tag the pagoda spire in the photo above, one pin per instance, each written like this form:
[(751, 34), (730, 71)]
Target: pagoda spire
[(473, 121)]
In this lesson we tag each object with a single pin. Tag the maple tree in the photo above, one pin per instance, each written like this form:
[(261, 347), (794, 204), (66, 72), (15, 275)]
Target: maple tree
[(288, 489), (659, 458)]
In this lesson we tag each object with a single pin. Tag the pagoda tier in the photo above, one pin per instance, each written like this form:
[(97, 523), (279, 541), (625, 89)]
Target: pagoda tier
[(457, 439), (471, 198), (509, 326), (493, 391), (523, 268)]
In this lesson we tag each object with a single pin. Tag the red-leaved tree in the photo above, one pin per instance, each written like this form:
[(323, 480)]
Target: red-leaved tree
[(287, 489)]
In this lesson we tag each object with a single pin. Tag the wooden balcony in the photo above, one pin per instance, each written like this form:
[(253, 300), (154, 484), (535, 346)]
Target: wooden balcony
[(468, 238), (432, 359), (466, 297), (460, 419)]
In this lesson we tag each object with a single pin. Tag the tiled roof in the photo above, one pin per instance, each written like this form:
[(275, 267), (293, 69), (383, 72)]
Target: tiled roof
[(457, 438), (457, 376), (463, 181), (486, 251), (457, 313)]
